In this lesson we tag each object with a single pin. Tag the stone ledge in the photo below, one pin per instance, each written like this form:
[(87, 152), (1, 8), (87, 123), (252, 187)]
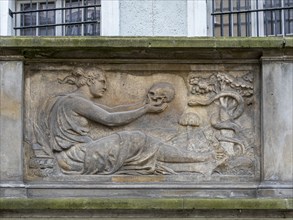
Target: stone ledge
[(144, 47), (145, 204), (146, 42)]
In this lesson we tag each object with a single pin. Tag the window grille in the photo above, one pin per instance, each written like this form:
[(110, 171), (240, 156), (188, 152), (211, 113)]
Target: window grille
[(57, 17), (252, 17)]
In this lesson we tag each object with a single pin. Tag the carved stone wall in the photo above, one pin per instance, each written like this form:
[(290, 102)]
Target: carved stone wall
[(146, 127), (167, 122)]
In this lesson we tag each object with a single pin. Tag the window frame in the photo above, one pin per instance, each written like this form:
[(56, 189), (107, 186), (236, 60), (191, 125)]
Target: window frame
[(197, 22), (109, 17), (19, 18), (257, 20)]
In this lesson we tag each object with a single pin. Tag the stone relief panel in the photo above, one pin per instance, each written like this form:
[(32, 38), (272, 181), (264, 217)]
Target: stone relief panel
[(175, 120)]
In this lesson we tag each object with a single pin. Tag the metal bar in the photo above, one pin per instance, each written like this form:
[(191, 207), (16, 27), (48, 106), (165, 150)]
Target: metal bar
[(289, 21), (276, 16), (60, 24), (70, 15), (31, 20), (273, 18), (80, 19), (231, 23), (10, 13), (85, 15), (56, 9), (95, 17), (213, 17), (249, 19), (282, 19), (266, 19), (238, 19), (246, 20), (290, 14), (251, 10), (21, 19), (47, 17), (221, 18), (62, 14), (257, 20)]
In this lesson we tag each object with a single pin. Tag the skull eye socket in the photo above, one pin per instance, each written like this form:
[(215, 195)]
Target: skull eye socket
[(152, 93)]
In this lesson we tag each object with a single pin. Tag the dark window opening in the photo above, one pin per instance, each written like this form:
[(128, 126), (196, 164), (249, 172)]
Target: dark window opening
[(57, 18), (252, 17)]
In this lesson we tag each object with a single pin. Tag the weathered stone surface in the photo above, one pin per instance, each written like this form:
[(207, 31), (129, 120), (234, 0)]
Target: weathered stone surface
[(155, 208), (202, 120), (146, 42), (277, 119), (195, 49), (11, 126), (215, 112), (148, 204)]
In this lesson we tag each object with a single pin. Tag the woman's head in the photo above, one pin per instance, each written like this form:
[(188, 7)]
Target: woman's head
[(93, 78)]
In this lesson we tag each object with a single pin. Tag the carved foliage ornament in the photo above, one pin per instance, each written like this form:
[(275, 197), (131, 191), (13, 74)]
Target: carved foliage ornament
[(231, 95)]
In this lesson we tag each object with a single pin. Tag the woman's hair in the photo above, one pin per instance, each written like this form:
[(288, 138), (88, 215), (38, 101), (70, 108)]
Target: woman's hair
[(82, 76)]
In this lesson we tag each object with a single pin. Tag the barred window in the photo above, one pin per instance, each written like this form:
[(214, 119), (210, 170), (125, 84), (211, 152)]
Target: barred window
[(57, 17), (252, 17)]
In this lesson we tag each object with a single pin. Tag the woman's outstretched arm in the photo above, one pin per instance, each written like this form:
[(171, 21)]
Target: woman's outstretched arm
[(95, 113), (121, 108)]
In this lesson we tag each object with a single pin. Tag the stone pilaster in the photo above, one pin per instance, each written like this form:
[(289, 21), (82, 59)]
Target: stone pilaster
[(11, 127)]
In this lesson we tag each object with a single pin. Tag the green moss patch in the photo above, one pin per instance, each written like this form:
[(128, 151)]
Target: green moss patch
[(145, 42), (143, 204)]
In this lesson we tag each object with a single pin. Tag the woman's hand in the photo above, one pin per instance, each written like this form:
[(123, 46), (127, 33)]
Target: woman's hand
[(155, 108)]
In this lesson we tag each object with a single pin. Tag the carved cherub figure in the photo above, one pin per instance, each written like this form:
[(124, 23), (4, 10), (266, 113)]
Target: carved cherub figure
[(66, 130)]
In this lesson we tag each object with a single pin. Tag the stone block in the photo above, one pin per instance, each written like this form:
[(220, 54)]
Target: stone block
[(142, 123), (277, 122), (11, 126), (146, 118)]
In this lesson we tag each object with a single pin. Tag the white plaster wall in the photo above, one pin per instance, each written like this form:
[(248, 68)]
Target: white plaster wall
[(110, 18), (197, 18), (137, 18), (153, 18), (6, 22)]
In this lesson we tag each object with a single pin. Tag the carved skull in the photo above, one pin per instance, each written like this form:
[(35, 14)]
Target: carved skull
[(160, 93)]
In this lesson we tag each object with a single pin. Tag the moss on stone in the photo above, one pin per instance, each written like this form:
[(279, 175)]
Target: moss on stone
[(145, 42), (239, 204), (145, 47), (289, 42), (143, 204)]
